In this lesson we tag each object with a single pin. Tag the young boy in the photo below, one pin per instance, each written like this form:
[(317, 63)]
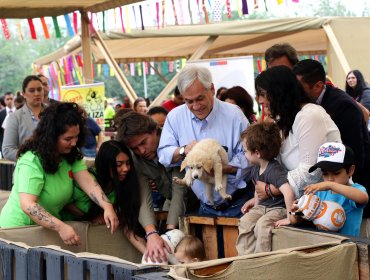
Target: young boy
[(336, 162), (261, 143), (184, 248)]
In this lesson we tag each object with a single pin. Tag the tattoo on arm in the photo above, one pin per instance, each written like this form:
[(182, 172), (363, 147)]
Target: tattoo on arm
[(104, 197), (41, 214), (93, 198)]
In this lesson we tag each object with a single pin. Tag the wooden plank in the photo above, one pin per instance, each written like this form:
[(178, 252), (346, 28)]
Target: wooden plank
[(202, 220), (7, 262), (227, 221), (209, 236), (20, 263), (76, 268), (230, 235), (86, 49), (35, 264), (54, 264)]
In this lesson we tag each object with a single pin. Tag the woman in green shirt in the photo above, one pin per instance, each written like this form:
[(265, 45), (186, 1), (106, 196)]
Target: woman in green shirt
[(47, 164)]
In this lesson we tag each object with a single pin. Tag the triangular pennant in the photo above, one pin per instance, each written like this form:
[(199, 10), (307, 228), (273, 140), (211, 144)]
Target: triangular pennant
[(69, 25), (75, 25), (103, 15), (19, 29), (45, 28), (205, 12), (5, 29), (32, 28), (157, 13), (245, 7), (141, 17), (122, 25), (174, 12), (56, 27)]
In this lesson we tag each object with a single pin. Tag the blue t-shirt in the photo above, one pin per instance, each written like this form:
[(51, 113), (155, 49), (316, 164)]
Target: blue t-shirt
[(93, 131), (352, 209)]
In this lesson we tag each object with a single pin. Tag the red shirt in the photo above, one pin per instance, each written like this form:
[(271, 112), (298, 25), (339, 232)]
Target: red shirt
[(169, 105)]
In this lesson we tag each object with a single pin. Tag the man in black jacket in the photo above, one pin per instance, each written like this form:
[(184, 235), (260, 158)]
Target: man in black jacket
[(345, 113), (9, 108)]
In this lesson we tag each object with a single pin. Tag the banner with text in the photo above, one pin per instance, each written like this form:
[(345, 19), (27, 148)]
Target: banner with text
[(90, 96)]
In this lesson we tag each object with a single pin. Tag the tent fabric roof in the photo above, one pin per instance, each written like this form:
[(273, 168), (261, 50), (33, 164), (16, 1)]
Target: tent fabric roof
[(240, 38), (44, 8)]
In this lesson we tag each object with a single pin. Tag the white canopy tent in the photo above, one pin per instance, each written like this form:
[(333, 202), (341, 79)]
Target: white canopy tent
[(344, 40)]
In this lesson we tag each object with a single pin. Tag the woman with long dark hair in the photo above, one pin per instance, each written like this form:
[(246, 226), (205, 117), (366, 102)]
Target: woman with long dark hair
[(305, 126), (115, 172), (47, 164), (357, 87)]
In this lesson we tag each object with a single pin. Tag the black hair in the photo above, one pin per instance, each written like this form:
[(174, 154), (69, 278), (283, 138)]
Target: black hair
[(127, 192), (54, 121), (29, 79), (360, 86), (285, 94), (310, 70), (280, 50), (157, 110)]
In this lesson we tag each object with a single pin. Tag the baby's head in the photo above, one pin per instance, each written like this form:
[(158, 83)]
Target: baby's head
[(261, 141), (336, 162), (190, 249)]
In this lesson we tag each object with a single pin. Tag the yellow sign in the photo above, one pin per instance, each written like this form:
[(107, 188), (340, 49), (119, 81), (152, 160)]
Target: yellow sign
[(90, 96)]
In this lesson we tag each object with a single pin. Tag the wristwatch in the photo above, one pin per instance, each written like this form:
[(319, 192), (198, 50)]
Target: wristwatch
[(182, 152)]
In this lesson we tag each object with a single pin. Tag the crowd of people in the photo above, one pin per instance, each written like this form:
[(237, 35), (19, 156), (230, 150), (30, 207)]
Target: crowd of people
[(272, 160)]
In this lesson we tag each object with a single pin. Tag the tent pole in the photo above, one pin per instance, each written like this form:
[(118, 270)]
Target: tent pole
[(171, 85), (117, 70), (86, 48), (336, 46)]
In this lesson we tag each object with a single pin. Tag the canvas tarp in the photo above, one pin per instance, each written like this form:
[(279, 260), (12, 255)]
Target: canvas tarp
[(44, 8), (329, 261), (345, 47)]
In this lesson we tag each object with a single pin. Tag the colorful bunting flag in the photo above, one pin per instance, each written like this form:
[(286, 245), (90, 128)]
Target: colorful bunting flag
[(69, 26), (56, 27), (280, 2), (163, 12), (217, 11), (19, 29), (103, 14), (157, 13), (122, 25), (45, 28), (141, 17), (182, 21), (245, 7), (128, 26), (205, 12), (75, 25), (32, 28), (132, 69), (5, 29), (190, 14), (240, 13), (174, 12), (228, 8)]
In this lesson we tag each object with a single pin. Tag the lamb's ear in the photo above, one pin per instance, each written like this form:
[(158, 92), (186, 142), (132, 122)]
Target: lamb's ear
[(208, 165), (183, 165)]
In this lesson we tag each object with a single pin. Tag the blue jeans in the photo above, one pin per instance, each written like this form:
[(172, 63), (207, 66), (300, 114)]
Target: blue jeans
[(233, 209), (88, 152)]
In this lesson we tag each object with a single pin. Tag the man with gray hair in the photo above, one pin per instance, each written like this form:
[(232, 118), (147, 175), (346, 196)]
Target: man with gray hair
[(204, 116)]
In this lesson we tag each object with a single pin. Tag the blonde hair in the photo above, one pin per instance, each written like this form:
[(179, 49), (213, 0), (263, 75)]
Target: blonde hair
[(193, 247)]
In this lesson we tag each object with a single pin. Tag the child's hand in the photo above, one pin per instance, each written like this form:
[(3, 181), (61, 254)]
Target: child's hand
[(282, 222), (248, 205), (323, 186)]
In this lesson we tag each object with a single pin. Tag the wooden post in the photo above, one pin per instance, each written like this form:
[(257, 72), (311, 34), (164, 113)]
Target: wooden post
[(116, 69), (86, 49)]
